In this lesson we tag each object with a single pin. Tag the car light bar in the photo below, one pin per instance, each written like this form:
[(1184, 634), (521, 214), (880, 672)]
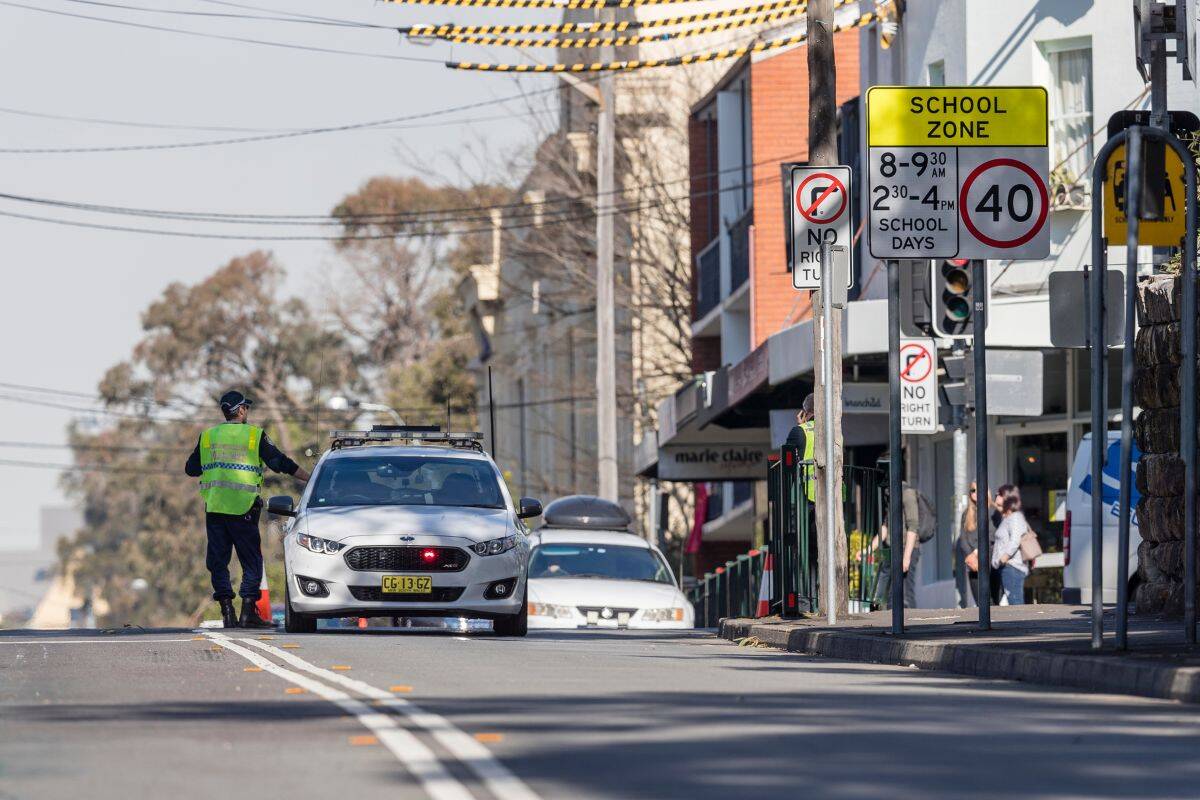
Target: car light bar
[(472, 440)]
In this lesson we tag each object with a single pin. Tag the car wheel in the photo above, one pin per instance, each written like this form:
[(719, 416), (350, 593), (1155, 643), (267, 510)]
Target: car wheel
[(514, 624), (293, 621)]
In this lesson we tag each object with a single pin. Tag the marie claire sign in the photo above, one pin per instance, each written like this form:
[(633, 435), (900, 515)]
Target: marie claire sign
[(713, 462)]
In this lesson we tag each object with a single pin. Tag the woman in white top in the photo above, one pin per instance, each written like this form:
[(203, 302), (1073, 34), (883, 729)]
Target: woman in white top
[(1006, 552)]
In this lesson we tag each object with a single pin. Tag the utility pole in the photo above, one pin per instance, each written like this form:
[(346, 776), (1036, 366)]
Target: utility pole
[(822, 150), (961, 471), (606, 345)]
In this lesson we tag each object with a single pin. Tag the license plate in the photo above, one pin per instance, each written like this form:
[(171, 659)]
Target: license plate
[(407, 584)]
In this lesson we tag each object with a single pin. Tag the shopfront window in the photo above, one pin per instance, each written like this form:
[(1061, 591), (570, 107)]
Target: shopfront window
[(1039, 465)]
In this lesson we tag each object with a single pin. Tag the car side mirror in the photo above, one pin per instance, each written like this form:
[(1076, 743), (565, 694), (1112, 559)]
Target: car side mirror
[(528, 508), (281, 506)]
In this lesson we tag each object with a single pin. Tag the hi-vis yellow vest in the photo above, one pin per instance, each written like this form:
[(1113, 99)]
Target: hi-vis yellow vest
[(231, 469), (810, 447)]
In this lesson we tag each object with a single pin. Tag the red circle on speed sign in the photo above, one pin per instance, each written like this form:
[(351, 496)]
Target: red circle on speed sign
[(1034, 178), (916, 362), (810, 212)]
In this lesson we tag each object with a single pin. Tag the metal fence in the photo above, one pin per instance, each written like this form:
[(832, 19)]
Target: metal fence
[(732, 590), (729, 591), (792, 535)]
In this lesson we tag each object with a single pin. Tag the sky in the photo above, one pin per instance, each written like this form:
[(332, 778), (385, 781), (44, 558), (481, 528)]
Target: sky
[(73, 296)]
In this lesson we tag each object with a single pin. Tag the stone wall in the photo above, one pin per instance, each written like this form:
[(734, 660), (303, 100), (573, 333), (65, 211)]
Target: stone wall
[(1156, 428)]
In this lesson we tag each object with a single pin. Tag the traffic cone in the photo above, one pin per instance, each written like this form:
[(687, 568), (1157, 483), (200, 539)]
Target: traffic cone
[(263, 606), (764, 591)]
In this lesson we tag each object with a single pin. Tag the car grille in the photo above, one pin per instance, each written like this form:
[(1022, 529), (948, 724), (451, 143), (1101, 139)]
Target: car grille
[(406, 559), (614, 611), (374, 594)]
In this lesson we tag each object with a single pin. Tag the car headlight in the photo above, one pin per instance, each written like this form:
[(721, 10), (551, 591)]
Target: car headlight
[(662, 614), (317, 545), (550, 610), (495, 547)]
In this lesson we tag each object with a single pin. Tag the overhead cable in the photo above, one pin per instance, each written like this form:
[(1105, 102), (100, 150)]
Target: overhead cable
[(445, 31), (624, 40), (672, 61)]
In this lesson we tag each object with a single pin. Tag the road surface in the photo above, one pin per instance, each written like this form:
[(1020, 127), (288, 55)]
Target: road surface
[(362, 714)]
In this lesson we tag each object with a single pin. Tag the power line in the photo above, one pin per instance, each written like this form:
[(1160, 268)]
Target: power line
[(275, 136), (671, 61), (225, 15), (617, 26), (203, 35)]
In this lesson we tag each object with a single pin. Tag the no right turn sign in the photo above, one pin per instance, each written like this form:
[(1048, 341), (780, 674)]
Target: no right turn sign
[(918, 386)]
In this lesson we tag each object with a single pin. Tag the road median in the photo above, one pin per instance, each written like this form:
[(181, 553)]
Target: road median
[(1046, 645)]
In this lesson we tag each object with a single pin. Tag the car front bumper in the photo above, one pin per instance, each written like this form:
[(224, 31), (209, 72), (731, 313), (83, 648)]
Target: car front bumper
[(467, 586)]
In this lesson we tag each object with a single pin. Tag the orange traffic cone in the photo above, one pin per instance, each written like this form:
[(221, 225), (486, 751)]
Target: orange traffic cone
[(263, 606), (764, 591)]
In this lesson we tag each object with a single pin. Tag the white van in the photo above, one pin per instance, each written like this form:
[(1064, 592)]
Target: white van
[(1077, 531)]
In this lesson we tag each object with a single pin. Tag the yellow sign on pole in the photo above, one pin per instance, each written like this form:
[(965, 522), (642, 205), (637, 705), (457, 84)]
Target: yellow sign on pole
[(1165, 232), (956, 116)]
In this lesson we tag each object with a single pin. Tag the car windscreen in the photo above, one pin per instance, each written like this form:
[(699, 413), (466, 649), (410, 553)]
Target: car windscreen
[(405, 481), (598, 561)]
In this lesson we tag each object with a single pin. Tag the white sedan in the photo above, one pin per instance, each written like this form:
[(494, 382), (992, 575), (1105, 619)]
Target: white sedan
[(602, 579)]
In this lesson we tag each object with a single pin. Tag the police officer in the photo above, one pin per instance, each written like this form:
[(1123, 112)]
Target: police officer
[(803, 437), (229, 461)]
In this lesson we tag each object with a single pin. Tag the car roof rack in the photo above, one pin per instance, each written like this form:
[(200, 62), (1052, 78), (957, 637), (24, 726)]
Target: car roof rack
[(408, 434)]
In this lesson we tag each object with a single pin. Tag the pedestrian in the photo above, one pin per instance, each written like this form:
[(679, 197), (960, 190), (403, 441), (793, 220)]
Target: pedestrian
[(803, 437), (1006, 554), (229, 460), (919, 525), (967, 578)]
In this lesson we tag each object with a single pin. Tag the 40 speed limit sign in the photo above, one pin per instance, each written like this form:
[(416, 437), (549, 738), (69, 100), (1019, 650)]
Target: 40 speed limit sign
[(958, 172)]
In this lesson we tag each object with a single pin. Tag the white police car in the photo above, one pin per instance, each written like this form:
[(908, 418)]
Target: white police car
[(406, 522), (587, 570)]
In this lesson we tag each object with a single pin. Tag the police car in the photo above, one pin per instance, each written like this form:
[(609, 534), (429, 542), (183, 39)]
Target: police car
[(588, 571), (405, 521)]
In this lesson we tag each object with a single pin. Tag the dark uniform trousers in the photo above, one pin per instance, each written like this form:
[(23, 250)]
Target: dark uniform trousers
[(228, 532)]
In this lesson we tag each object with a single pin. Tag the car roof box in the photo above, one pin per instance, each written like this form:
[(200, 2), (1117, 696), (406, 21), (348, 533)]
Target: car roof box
[(586, 511)]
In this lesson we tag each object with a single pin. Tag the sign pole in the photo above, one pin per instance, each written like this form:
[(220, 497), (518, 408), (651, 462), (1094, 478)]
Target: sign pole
[(895, 517), (1133, 210), (830, 474), (982, 493)]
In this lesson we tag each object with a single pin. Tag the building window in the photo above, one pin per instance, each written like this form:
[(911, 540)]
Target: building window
[(937, 73), (1071, 112)]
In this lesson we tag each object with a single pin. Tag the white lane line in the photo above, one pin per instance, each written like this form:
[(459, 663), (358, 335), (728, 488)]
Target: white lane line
[(93, 641), (420, 761), (498, 779)]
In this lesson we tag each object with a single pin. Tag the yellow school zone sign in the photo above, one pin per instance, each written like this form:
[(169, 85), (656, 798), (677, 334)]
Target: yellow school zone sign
[(944, 116), (1166, 232)]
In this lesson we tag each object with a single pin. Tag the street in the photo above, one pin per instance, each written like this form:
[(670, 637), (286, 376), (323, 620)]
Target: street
[(177, 714)]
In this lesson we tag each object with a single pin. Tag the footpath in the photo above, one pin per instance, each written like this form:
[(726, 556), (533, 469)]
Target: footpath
[(1045, 644)]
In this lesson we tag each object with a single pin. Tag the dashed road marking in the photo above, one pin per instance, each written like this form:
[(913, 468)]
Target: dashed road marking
[(408, 749), (293, 690), (400, 689), (341, 667), (252, 669), (363, 741), (498, 779), (489, 738)]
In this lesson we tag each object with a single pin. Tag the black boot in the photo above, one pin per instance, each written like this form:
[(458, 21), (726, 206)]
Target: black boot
[(250, 617), (228, 614)]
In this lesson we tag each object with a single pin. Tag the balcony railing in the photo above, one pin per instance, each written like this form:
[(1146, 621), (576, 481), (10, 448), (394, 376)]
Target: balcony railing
[(708, 278), (739, 251)]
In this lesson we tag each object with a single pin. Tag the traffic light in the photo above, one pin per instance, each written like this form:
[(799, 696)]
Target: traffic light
[(915, 305), (954, 294)]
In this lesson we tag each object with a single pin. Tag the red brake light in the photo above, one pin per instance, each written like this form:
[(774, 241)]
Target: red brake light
[(1067, 540), (429, 556)]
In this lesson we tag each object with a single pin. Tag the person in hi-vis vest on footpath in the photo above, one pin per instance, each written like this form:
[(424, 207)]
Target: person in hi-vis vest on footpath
[(229, 460)]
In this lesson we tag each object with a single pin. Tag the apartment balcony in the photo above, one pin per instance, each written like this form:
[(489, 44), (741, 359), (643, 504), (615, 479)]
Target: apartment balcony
[(708, 274)]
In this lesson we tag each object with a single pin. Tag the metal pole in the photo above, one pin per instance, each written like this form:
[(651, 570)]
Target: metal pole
[(1133, 198), (1187, 404), (831, 526), (606, 346), (982, 495), (894, 521), (1099, 352), (491, 413), (962, 483)]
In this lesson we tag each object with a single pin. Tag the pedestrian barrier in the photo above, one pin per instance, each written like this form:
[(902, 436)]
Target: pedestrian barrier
[(792, 535), (733, 590), (729, 591)]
